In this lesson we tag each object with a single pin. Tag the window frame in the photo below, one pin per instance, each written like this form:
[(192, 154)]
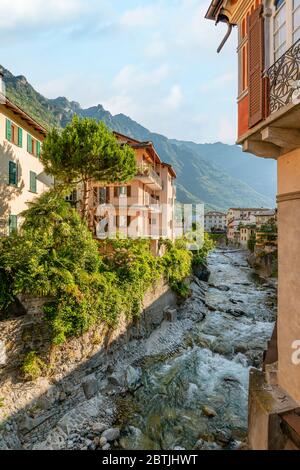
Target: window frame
[(289, 25), (33, 189)]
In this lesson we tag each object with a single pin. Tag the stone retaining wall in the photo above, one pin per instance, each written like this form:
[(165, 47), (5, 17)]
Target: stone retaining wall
[(27, 406)]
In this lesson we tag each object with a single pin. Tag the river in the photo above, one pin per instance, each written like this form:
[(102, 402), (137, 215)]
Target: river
[(193, 391)]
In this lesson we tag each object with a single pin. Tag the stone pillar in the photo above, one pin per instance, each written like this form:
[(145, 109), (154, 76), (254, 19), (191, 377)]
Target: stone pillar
[(289, 273)]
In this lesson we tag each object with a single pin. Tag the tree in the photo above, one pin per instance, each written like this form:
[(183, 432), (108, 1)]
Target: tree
[(87, 151)]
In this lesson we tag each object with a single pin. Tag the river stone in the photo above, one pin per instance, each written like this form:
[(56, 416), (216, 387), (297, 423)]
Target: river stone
[(170, 315), (209, 412), (132, 377), (90, 386), (223, 436), (102, 441), (116, 379), (111, 434), (99, 427), (3, 357), (106, 447)]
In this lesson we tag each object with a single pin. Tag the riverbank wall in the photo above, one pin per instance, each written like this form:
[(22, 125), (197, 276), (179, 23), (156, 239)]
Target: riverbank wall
[(69, 375)]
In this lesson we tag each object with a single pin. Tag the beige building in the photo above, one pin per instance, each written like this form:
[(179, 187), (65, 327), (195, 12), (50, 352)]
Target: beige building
[(265, 217), (245, 233), (269, 127), (21, 171), (215, 221), (243, 213), (144, 207)]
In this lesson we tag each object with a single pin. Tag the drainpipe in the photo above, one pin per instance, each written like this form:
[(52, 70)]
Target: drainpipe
[(228, 33)]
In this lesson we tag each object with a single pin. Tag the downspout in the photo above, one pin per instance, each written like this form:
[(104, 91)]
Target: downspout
[(226, 37)]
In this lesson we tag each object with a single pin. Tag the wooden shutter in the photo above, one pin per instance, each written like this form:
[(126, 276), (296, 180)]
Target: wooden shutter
[(13, 173), (38, 148), (33, 181), (20, 137), (8, 130), (128, 220), (29, 144), (128, 191), (116, 191), (256, 66), (12, 224)]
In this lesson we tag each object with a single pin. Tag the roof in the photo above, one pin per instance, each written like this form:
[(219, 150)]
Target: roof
[(170, 168), (266, 213), (253, 209), (215, 212), (148, 145), (23, 115), (214, 10)]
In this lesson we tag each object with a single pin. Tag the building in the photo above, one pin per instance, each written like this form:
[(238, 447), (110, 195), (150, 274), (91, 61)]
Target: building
[(269, 127), (265, 217), (243, 213), (245, 233), (144, 207), (22, 176), (215, 221)]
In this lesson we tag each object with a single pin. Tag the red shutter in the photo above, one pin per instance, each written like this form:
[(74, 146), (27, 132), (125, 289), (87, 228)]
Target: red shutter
[(128, 191), (256, 66)]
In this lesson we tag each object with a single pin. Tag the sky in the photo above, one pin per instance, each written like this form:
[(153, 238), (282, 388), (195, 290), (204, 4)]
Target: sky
[(153, 60)]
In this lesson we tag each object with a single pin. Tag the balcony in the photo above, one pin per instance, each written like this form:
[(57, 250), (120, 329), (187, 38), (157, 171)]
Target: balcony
[(148, 176), (279, 133)]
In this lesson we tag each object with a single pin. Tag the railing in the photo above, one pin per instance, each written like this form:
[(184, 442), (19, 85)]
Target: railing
[(147, 171), (283, 77)]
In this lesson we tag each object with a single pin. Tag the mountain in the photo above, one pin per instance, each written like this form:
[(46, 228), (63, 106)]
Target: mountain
[(218, 174)]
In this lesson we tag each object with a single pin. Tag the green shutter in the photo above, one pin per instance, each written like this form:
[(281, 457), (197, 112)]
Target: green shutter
[(33, 182), (29, 143), (8, 130), (12, 224), (38, 148), (20, 137), (13, 174)]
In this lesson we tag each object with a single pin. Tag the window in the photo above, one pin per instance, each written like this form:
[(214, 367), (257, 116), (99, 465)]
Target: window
[(280, 29), (33, 146), (102, 195), (72, 198), (12, 174), (296, 20), (14, 134), (122, 191), (12, 224), (32, 182), (286, 25)]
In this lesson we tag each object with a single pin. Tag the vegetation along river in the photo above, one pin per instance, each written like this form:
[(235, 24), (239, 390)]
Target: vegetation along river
[(193, 387)]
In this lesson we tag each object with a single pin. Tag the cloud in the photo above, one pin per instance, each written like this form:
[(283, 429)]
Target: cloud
[(218, 82), (132, 77), (156, 48), (174, 98), (141, 17), (37, 12)]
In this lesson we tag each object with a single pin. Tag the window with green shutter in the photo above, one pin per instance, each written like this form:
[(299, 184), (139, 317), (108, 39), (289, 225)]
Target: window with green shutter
[(20, 137), (13, 174), (29, 144), (33, 188), (12, 224), (38, 149), (8, 130)]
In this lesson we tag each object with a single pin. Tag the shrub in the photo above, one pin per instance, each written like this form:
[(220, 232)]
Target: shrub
[(33, 367)]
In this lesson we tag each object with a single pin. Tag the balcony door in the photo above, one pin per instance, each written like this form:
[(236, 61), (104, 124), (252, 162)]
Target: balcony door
[(285, 27)]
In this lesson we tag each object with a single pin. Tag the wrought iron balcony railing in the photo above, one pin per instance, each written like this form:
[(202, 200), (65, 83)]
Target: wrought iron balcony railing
[(283, 77)]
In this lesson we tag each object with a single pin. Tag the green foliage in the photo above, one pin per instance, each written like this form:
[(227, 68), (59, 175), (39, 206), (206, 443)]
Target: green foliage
[(55, 256), (199, 256), (33, 366), (85, 151), (251, 242)]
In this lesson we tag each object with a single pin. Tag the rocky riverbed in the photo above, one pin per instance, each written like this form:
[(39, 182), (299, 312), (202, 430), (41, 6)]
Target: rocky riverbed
[(183, 387)]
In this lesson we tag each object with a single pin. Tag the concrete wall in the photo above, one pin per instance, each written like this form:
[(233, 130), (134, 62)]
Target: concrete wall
[(289, 270)]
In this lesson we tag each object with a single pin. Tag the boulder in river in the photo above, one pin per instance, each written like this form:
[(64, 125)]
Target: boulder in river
[(209, 412), (111, 434), (133, 377)]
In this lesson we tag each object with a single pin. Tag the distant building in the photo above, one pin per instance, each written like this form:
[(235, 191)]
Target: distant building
[(22, 176), (143, 207), (215, 221), (243, 213), (245, 234), (265, 217)]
